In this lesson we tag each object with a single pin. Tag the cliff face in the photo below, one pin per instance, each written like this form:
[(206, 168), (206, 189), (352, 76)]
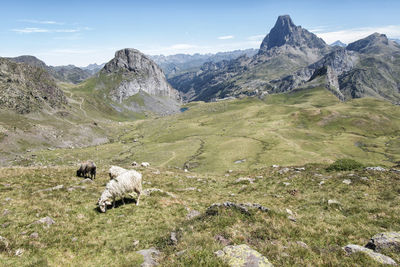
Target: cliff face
[(25, 88), (139, 73)]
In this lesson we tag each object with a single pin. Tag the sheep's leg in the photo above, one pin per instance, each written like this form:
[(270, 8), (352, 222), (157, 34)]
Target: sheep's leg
[(113, 203), (138, 196), (123, 200)]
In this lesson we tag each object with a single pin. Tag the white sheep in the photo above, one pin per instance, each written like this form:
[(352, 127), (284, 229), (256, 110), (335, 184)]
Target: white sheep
[(115, 171), (145, 164), (127, 182)]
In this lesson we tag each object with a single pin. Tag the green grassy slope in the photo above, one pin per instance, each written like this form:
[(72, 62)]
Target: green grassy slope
[(304, 126)]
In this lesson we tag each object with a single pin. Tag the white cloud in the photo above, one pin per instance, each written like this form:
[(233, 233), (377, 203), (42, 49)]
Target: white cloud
[(226, 37), (351, 35), (50, 22), (30, 30)]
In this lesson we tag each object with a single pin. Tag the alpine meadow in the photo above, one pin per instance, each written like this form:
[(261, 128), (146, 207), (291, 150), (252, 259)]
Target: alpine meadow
[(281, 149)]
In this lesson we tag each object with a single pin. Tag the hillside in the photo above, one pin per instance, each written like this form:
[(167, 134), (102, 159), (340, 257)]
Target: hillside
[(307, 213)]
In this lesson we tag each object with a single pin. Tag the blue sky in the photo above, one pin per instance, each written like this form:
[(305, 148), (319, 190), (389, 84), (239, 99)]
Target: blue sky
[(84, 32)]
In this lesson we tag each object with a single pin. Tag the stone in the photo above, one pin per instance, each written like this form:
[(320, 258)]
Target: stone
[(378, 169), (288, 211), (45, 220), (321, 183), (74, 239), (240, 161), (300, 169), (283, 171), (302, 244), (292, 218), (148, 192), (382, 259), (34, 235), (150, 257), (135, 243), (192, 214), (275, 166), (242, 207), (230, 171), (385, 241), (5, 212), (286, 183), (364, 178), (180, 253), (19, 252), (333, 201), (347, 181), (241, 256), (173, 238)]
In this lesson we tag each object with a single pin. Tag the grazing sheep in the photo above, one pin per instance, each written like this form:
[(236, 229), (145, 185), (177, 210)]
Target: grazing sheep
[(145, 164), (115, 171), (127, 182), (87, 168)]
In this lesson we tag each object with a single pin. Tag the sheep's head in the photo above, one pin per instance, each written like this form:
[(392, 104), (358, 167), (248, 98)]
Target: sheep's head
[(102, 205)]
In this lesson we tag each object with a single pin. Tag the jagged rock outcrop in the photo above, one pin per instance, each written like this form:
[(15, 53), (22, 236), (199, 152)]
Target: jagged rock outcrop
[(25, 88), (338, 43), (286, 33), (139, 73)]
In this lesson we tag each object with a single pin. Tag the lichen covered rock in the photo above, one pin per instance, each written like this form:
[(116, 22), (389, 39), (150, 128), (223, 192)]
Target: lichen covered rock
[(242, 255)]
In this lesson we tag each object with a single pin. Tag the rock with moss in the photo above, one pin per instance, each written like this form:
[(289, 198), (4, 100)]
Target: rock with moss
[(242, 255), (385, 241), (380, 258)]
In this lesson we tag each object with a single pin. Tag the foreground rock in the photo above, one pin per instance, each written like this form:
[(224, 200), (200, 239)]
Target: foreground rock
[(242, 207), (385, 241), (242, 255), (150, 257), (382, 259)]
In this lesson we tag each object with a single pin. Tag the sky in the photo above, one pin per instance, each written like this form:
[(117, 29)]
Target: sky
[(84, 32)]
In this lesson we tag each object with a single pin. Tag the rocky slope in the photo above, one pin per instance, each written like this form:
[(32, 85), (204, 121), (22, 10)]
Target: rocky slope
[(70, 73), (132, 81), (367, 67), (285, 49), (25, 88)]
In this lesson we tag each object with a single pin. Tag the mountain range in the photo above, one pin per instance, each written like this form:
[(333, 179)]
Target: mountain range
[(291, 56)]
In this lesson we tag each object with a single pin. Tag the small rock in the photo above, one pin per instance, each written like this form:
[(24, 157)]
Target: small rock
[(289, 212), (173, 238), (57, 187), (19, 252), (284, 170), (74, 239), (385, 241), (333, 201), (259, 177), (150, 257), (241, 256), (286, 183), (321, 183), (302, 244), (222, 240), (378, 168), (45, 220), (5, 212), (292, 218), (230, 171), (8, 199), (347, 181), (34, 235), (284, 254), (275, 166), (240, 161), (364, 178), (350, 249), (300, 169), (226, 174), (87, 181), (135, 243), (156, 172)]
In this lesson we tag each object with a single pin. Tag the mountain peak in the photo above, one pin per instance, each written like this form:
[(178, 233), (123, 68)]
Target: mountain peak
[(338, 43), (371, 43), (285, 32)]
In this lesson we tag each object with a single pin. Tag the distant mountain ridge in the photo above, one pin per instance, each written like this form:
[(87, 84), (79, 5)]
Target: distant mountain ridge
[(175, 64), (338, 43)]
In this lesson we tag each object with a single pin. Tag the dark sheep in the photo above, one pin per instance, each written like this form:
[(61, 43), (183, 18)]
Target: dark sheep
[(87, 168)]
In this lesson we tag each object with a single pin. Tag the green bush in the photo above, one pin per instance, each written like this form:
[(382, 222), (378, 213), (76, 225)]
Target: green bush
[(344, 165)]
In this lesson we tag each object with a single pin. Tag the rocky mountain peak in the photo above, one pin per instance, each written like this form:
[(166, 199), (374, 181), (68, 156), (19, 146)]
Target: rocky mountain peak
[(371, 43), (130, 59), (285, 32)]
